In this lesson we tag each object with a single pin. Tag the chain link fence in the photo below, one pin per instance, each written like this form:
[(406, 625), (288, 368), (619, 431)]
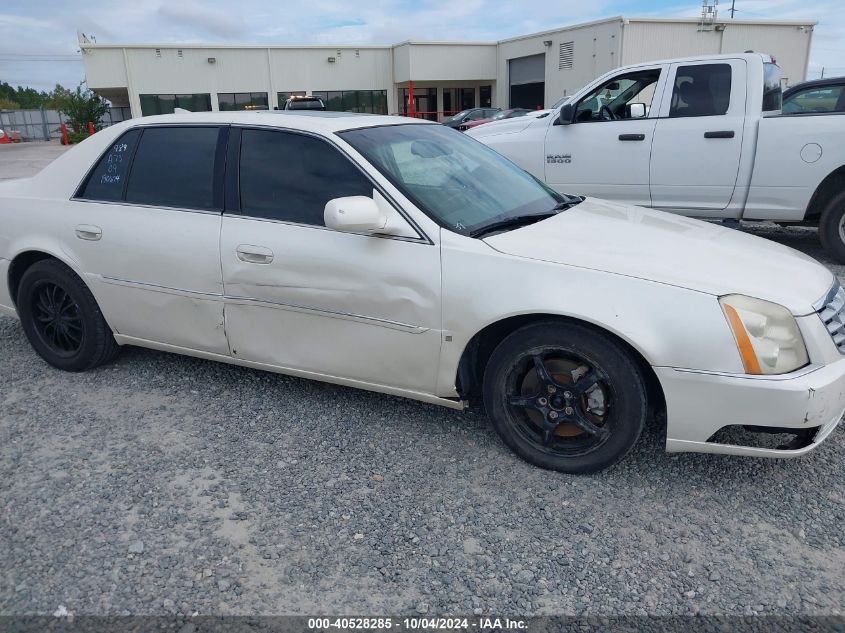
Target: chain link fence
[(45, 125)]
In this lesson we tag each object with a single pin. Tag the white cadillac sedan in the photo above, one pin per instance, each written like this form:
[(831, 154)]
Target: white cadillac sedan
[(403, 257)]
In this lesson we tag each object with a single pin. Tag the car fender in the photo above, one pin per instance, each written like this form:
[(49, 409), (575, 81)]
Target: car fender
[(644, 314)]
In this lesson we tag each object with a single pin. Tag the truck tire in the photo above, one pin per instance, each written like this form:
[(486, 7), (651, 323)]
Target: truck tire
[(832, 227)]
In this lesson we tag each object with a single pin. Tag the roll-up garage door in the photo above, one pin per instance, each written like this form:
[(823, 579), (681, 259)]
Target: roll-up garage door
[(527, 81)]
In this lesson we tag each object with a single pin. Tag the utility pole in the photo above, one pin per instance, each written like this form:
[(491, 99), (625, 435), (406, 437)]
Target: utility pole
[(733, 8)]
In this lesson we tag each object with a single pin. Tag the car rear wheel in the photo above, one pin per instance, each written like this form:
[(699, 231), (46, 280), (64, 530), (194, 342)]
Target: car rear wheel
[(832, 228), (565, 397), (61, 318)]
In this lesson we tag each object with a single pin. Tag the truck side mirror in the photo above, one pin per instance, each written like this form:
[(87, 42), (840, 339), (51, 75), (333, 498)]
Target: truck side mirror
[(566, 114), (637, 111)]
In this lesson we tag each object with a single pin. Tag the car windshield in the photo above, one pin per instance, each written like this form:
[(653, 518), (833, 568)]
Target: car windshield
[(460, 183), (458, 116)]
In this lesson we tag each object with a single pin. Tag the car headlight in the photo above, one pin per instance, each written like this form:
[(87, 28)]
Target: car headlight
[(766, 334)]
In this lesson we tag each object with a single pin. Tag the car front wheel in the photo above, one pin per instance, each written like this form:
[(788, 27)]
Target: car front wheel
[(61, 318), (832, 228), (565, 397)]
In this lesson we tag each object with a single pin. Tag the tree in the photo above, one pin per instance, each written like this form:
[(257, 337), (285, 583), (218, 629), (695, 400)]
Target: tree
[(57, 97), (8, 104), (81, 106)]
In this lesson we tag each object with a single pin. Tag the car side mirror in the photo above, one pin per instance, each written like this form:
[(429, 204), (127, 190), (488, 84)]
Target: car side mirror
[(465, 119), (637, 111), (566, 114), (354, 214)]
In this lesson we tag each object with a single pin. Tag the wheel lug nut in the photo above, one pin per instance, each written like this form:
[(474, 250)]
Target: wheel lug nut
[(567, 394), (569, 410), (553, 415), (543, 402), (551, 389)]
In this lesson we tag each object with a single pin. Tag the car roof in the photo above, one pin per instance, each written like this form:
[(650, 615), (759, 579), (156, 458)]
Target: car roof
[(815, 83), (322, 122)]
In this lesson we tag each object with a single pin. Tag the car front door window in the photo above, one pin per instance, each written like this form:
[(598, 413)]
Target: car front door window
[(290, 177), (612, 99)]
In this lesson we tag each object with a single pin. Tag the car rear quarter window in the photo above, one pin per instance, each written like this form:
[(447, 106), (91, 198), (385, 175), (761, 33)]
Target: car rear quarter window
[(290, 177), (108, 179), (174, 167), (701, 90)]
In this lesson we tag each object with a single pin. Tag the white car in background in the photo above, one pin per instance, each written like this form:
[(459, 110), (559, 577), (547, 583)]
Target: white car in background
[(398, 256)]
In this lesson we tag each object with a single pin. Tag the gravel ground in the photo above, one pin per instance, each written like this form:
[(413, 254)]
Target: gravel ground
[(162, 484)]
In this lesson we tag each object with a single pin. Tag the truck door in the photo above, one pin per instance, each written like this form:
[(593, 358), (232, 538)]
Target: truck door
[(604, 152), (698, 139)]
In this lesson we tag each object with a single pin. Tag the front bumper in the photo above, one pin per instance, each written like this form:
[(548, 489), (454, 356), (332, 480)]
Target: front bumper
[(698, 404)]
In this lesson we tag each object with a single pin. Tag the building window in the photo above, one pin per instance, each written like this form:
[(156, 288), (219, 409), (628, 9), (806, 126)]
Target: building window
[(457, 99), (165, 104), (425, 102), (566, 56), (368, 101), (282, 97), (228, 101), (485, 96)]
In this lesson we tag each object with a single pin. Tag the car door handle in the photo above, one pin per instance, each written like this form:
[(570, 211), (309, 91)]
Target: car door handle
[(632, 137), (89, 232), (254, 254), (719, 134)]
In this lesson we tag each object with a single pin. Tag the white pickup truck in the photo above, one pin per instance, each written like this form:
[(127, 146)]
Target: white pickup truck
[(699, 136)]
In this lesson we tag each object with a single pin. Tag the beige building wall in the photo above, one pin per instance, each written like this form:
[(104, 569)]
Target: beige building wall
[(123, 72)]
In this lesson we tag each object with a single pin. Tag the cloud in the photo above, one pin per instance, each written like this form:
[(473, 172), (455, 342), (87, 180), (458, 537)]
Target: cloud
[(216, 22)]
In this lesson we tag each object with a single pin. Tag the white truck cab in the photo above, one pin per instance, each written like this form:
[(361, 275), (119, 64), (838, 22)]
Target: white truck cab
[(699, 136)]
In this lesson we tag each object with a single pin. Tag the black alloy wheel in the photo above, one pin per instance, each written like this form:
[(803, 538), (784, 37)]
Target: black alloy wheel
[(61, 318), (565, 396)]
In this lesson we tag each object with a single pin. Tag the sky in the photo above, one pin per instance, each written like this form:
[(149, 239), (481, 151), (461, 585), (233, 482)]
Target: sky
[(39, 48)]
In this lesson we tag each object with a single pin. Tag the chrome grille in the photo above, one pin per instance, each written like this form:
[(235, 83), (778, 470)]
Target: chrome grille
[(832, 314)]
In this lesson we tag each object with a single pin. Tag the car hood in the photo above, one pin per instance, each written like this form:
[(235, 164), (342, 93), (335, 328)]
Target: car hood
[(670, 249), (503, 126)]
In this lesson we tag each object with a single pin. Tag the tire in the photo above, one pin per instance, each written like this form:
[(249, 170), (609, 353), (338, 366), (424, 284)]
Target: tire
[(61, 318), (832, 238), (580, 410)]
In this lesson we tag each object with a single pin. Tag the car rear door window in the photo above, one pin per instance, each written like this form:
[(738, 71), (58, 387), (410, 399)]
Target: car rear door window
[(290, 177), (701, 90), (174, 167), (108, 179), (818, 99)]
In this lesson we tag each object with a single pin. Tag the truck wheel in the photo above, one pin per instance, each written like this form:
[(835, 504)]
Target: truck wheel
[(565, 397), (832, 228)]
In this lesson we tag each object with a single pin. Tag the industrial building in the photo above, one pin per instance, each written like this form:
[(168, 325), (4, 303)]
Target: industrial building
[(532, 71)]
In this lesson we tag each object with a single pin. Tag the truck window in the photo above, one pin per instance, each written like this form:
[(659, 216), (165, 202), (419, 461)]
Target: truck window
[(611, 100), (772, 91), (701, 90)]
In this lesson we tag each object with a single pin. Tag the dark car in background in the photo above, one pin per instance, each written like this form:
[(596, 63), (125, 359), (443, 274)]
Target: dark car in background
[(305, 103), (473, 114), (504, 114), (820, 95)]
